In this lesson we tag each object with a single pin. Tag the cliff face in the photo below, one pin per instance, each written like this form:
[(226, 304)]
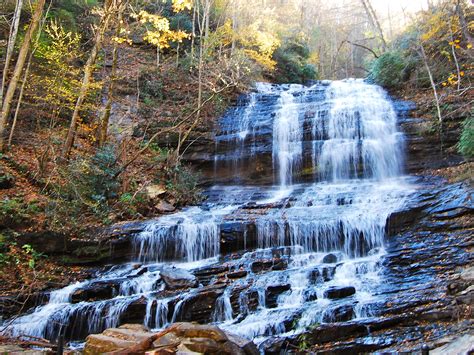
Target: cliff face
[(425, 147)]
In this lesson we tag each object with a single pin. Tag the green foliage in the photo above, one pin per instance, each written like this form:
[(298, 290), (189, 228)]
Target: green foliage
[(292, 62), (91, 185), (388, 70), (466, 141), (11, 254), (14, 211), (182, 184)]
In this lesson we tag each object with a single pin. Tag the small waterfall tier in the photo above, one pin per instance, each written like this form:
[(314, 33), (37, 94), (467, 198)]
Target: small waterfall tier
[(292, 233)]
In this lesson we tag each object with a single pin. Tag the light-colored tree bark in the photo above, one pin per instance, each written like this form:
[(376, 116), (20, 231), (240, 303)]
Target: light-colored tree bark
[(11, 44), (88, 70), (25, 47), (433, 84)]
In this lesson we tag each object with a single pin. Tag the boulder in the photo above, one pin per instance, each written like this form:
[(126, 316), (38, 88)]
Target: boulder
[(116, 339), (179, 338), (330, 259), (164, 207), (175, 278), (339, 292)]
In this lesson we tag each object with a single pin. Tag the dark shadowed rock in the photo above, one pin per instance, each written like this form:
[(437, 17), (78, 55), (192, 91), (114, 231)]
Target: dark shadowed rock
[(339, 292), (272, 293), (339, 314), (330, 259)]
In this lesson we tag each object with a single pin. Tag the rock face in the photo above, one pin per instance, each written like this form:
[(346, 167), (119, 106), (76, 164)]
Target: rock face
[(180, 337)]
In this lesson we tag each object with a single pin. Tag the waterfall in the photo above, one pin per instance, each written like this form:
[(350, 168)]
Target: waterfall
[(362, 135), (287, 139), (318, 171)]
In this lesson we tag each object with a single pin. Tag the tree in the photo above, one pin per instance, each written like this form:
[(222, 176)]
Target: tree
[(108, 10), (11, 43), (24, 49)]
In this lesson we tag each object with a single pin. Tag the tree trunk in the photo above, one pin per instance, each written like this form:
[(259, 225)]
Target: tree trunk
[(20, 97), (18, 69), (88, 70), (435, 92), (11, 44), (374, 21), (25, 78)]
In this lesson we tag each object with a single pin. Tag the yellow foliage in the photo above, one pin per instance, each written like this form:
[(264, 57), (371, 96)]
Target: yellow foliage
[(160, 34), (259, 44), (181, 5)]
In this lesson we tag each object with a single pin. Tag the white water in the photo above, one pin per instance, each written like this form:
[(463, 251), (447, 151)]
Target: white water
[(287, 139), (356, 156)]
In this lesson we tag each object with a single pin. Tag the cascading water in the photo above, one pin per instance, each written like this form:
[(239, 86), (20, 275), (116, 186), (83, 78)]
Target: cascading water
[(287, 138), (308, 233)]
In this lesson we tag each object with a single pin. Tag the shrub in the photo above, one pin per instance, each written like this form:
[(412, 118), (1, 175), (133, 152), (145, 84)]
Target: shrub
[(292, 62), (91, 185), (388, 70), (466, 141), (182, 184)]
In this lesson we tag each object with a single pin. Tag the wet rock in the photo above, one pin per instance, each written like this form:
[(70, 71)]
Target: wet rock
[(315, 276), (275, 346), (310, 295), (279, 264), (272, 293), (339, 292), (209, 274), (199, 307), (237, 274), (330, 259), (328, 272), (175, 278), (261, 265), (339, 314), (333, 332), (95, 291)]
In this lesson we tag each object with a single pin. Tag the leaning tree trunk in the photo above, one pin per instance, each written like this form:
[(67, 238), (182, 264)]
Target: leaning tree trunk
[(25, 47), (88, 70), (11, 44)]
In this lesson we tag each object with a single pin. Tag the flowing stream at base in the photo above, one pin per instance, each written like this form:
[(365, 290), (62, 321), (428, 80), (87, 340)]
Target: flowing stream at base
[(306, 240)]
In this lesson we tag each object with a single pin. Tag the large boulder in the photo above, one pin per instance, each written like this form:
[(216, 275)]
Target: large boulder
[(117, 339), (180, 337)]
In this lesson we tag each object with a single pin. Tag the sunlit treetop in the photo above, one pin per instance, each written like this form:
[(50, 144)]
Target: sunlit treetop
[(181, 5)]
